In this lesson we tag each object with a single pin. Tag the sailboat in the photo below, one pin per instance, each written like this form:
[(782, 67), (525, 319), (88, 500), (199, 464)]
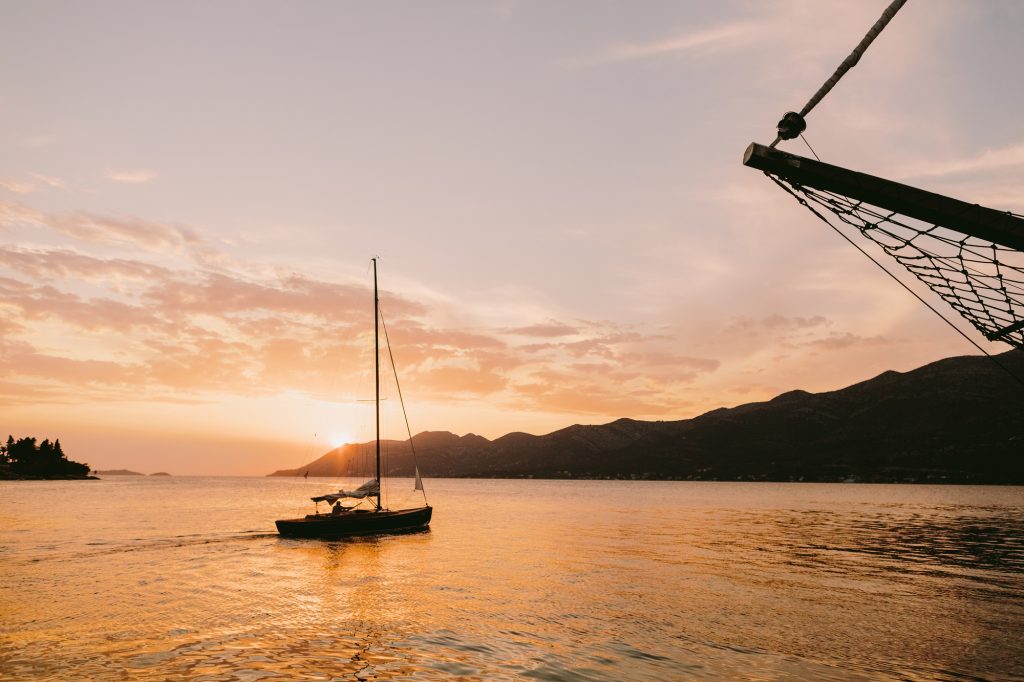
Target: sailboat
[(343, 521)]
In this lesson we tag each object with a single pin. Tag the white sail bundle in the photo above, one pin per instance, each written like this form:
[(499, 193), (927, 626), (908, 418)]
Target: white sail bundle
[(369, 489)]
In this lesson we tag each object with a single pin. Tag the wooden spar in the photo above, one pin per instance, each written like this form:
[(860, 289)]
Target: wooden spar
[(973, 220), (376, 375)]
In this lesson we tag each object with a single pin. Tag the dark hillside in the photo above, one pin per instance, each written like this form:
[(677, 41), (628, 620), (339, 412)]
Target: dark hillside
[(956, 420)]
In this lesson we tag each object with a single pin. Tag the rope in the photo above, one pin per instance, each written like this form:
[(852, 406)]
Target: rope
[(913, 293), (849, 62), (401, 401), (810, 147), (854, 57)]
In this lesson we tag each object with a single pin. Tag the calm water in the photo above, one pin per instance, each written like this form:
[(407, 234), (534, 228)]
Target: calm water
[(184, 578)]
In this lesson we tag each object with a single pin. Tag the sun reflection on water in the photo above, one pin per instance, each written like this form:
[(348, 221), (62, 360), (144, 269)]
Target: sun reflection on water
[(542, 579)]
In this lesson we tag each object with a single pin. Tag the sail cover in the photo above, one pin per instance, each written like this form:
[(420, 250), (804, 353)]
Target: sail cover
[(369, 489)]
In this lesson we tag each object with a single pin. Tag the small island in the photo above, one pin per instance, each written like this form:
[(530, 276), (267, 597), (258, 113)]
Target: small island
[(23, 460), (127, 472)]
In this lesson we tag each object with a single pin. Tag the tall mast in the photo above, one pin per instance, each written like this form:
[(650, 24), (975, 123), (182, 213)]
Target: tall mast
[(376, 372)]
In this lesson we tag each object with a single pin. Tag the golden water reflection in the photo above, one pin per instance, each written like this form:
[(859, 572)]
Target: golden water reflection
[(519, 580)]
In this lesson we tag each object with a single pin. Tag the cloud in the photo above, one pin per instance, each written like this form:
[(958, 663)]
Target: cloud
[(150, 235), (414, 333), (992, 177), (17, 187), (31, 302), (65, 264), (207, 363), (565, 392), (797, 331), (672, 360), (844, 340), (68, 370), (137, 177), (725, 36), (223, 295), (21, 187), (775, 322), (48, 180), (101, 329), (180, 332), (552, 328), (89, 227), (12, 215), (989, 160), (450, 380)]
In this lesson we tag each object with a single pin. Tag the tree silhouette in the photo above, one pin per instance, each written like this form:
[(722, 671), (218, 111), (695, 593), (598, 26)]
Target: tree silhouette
[(47, 460)]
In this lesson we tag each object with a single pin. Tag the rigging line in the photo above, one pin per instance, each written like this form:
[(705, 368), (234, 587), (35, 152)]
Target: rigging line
[(855, 245), (810, 147), (401, 401), (851, 60), (854, 57)]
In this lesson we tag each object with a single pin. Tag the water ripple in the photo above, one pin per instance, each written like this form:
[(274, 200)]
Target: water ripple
[(537, 580)]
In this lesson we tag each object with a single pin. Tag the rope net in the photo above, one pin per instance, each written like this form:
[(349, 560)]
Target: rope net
[(981, 280)]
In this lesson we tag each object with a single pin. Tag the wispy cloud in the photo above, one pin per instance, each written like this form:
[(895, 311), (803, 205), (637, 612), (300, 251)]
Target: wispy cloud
[(49, 180), (89, 227), (844, 340), (31, 302), (132, 177), (989, 160), (147, 234), (23, 187), (17, 187), (49, 264), (775, 323), (12, 215), (200, 332), (722, 37), (552, 328)]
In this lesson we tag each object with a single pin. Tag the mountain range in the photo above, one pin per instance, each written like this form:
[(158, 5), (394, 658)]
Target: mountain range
[(957, 420)]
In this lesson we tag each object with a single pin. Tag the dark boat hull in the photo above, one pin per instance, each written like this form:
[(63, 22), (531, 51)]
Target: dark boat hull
[(352, 523)]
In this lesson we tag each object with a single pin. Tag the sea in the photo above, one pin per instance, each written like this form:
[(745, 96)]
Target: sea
[(175, 578)]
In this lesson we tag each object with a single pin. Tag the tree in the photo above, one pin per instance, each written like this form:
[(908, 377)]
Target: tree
[(47, 460)]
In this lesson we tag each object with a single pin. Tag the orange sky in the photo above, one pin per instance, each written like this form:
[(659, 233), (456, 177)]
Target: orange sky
[(190, 195)]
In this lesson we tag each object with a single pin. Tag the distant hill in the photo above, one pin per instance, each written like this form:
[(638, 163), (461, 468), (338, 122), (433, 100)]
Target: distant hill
[(160, 473), (958, 420), (118, 472)]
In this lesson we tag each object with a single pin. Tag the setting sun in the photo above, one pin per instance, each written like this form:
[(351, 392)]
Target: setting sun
[(339, 438)]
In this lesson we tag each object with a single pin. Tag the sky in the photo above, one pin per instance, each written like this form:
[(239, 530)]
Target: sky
[(190, 195)]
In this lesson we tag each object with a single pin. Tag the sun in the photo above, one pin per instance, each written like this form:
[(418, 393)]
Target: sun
[(339, 438)]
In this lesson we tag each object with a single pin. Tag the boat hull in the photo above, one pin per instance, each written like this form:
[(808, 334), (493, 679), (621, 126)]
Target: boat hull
[(352, 523)]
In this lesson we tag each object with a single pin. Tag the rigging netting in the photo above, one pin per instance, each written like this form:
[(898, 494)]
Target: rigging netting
[(982, 280)]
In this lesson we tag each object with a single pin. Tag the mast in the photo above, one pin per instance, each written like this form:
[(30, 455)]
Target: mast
[(376, 372)]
